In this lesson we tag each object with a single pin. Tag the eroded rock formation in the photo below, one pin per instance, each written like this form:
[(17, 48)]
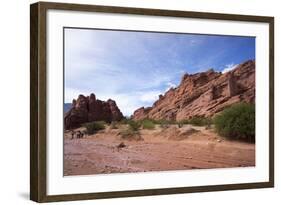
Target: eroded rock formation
[(203, 94), (88, 109)]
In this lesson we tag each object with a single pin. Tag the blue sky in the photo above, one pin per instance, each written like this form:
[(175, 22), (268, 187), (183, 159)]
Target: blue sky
[(133, 68)]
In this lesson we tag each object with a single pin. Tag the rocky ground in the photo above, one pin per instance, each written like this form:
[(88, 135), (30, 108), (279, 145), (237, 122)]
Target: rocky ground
[(160, 149)]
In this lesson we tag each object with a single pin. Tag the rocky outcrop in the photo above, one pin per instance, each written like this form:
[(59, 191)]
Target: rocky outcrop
[(88, 109), (203, 94), (139, 113)]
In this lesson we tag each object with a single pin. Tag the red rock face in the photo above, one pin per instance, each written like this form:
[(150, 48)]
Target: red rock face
[(141, 113), (203, 94), (88, 109)]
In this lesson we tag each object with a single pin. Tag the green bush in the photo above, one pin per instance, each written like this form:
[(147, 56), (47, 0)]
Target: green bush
[(148, 124), (93, 127), (134, 125), (125, 120), (157, 121), (185, 121), (163, 123), (237, 122), (200, 121)]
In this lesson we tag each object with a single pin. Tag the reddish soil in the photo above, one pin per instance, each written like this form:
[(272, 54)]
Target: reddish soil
[(161, 149)]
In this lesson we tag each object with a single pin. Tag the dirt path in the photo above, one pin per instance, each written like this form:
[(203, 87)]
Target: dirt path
[(160, 150)]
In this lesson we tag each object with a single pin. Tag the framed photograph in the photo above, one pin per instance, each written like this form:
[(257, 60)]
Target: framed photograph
[(134, 102)]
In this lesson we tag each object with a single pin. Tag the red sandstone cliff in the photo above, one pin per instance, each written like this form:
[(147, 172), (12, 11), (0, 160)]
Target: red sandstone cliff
[(203, 94), (88, 109)]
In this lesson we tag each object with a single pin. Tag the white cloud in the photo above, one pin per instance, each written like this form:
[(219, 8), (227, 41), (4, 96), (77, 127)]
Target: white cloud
[(129, 102), (150, 96), (229, 67), (71, 94), (170, 85), (126, 102)]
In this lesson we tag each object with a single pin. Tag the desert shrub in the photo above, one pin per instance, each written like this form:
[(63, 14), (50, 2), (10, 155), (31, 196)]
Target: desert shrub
[(125, 120), (185, 121), (237, 122), (129, 134), (208, 121), (134, 125), (93, 127), (148, 124), (200, 121), (172, 122), (164, 124), (161, 121)]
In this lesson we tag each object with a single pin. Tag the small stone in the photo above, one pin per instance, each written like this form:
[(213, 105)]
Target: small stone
[(121, 145)]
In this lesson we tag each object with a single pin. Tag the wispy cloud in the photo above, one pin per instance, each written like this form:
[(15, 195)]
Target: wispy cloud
[(149, 96), (229, 67), (170, 85)]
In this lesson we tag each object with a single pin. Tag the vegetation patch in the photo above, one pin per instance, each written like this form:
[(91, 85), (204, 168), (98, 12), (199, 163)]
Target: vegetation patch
[(148, 124), (183, 122), (237, 122), (132, 131), (134, 125), (200, 121), (196, 120), (165, 123), (125, 121), (93, 127)]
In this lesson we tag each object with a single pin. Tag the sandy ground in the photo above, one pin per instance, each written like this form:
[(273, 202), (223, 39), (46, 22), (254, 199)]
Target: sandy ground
[(161, 149)]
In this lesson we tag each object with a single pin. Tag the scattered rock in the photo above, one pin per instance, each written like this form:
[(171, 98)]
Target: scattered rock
[(121, 145)]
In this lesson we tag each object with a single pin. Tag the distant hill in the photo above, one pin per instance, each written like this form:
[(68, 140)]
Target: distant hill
[(66, 107)]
